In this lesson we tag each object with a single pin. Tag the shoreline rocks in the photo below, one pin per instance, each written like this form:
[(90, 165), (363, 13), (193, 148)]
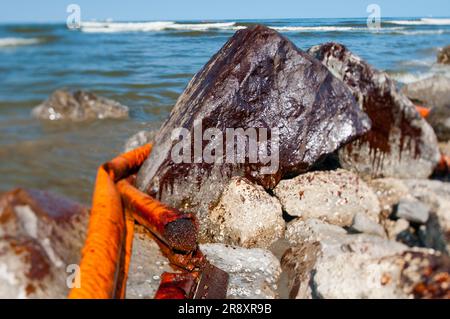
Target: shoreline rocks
[(399, 138), (78, 106), (258, 80), (326, 262)]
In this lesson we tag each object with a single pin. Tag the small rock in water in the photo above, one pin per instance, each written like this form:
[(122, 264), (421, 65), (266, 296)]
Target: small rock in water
[(333, 196), (79, 106), (246, 216), (41, 237), (413, 210), (400, 142), (444, 55), (243, 284), (258, 82)]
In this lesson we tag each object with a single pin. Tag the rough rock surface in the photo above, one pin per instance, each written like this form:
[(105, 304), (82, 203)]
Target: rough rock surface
[(439, 119), (399, 139), (79, 106), (413, 211), (40, 236), (260, 80), (254, 273), (332, 196), (326, 262), (139, 139), (444, 55), (246, 216), (147, 264), (435, 194)]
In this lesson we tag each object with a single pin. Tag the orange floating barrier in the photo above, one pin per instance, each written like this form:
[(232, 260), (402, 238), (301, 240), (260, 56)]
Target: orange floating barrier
[(423, 111), (175, 229), (106, 253), (102, 252), (116, 205)]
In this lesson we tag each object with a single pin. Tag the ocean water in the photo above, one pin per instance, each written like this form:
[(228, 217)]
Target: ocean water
[(146, 65)]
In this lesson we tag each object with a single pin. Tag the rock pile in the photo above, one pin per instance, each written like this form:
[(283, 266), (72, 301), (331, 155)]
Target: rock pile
[(336, 204)]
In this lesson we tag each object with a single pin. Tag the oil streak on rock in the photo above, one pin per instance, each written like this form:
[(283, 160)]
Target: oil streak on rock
[(400, 143)]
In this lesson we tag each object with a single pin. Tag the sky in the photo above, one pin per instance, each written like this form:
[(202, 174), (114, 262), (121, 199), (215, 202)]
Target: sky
[(146, 10)]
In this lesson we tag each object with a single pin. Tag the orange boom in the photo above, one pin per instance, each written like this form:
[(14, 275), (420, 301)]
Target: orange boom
[(107, 251)]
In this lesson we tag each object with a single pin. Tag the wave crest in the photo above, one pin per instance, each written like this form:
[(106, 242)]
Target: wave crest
[(423, 21), (14, 42)]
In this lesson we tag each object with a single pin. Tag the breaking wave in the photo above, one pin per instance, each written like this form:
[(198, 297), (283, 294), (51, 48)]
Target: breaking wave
[(423, 21), (14, 42), (112, 27), (409, 77), (105, 27)]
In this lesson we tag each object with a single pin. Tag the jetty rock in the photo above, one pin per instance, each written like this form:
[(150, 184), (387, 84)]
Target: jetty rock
[(400, 143), (258, 81), (78, 106)]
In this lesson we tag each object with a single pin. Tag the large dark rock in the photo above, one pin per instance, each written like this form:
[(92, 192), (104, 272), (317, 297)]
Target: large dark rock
[(400, 143), (444, 55), (259, 79), (433, 92), (41, 234), (78, 106)]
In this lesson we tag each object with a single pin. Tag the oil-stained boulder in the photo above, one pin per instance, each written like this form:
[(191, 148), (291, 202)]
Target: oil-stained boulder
[(259, 82), (400, 143), (41, 238)]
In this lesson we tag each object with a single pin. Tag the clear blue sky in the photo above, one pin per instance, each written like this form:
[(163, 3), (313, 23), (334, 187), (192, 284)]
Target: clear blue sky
[(55, 10)]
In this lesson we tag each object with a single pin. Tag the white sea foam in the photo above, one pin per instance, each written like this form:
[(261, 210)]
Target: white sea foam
[(317, 28), (422, 32), (13, 42), (105, 27), (406, 77), (111, 27), (423, 21)]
